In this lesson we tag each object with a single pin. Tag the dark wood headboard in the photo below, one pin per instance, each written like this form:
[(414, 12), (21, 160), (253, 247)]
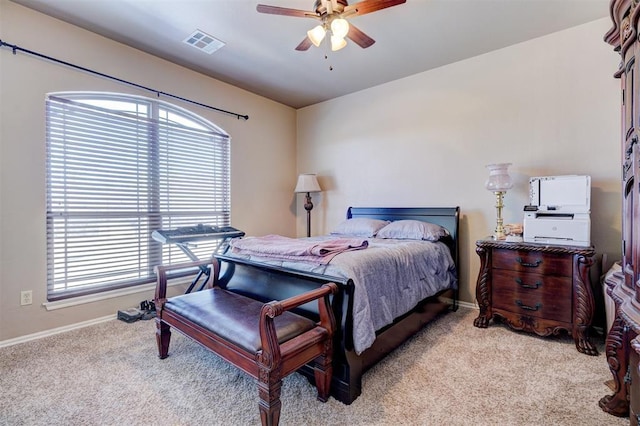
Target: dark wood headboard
[(447, 217)]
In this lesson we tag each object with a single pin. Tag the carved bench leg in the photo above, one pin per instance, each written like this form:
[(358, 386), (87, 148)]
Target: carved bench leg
[(163, 335), (323, 372), (269, 386)]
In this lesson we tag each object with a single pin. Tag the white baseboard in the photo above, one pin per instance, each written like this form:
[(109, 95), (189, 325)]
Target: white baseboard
[(468, 305), (53, 331)]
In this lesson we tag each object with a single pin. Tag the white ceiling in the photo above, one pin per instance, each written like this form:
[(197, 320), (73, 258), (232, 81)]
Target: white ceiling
[(259, 54)]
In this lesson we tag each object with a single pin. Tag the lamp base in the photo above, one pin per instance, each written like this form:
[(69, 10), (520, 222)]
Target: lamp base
[(499, 233), (308, 206)]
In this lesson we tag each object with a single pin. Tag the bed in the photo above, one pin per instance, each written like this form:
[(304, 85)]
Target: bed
[(363, 339)]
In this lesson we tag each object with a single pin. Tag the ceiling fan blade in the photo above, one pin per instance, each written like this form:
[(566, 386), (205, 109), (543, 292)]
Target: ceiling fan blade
[(304, 45), (285, 11), (368, 6), (358, 37)]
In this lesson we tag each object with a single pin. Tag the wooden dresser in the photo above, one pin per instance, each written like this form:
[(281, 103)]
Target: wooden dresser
[(623, 344), (537, 288)]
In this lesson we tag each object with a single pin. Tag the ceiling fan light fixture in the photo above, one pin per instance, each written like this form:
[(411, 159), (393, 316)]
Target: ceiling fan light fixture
[(332, 14), (316, 35), (337, 43), (340, 27)]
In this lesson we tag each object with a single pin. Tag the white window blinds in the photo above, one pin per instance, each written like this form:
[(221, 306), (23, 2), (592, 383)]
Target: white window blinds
[(118, 168)]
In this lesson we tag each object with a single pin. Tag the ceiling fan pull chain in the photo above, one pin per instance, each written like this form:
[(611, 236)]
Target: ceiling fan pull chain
[(326, 57)]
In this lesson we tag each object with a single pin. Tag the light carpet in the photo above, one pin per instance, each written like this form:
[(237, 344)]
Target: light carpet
[(450, 373)]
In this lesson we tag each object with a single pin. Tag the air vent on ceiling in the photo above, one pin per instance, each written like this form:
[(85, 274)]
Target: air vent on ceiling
[(203, 41)]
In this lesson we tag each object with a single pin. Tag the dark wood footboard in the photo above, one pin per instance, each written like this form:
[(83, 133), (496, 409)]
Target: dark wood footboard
[(349, 367), (266, 283)]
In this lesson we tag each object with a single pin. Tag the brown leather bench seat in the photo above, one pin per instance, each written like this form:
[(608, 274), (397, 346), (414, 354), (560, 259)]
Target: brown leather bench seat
[(235, 318)]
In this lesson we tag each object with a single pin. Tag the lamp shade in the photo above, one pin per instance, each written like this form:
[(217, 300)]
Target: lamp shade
[(340, 27), (316, 35), (499, 179), (337, 43), (307, 182)]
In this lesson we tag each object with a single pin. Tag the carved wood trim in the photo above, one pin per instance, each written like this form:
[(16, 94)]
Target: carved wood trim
[(583, 295), (617, 404), (483, 288), (584, 304), (530, 324), (583, 251)]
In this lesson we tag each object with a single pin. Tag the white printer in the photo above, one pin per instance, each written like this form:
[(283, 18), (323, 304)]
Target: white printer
[(559, 210)]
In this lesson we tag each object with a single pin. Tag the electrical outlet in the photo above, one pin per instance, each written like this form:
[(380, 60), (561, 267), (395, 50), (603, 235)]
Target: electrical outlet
[(26, 297)]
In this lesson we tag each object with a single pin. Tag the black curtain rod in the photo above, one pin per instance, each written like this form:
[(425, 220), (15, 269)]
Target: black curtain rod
[(139, 86)]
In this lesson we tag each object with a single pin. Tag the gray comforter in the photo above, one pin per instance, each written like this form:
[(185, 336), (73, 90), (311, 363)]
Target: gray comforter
[(390, 277)]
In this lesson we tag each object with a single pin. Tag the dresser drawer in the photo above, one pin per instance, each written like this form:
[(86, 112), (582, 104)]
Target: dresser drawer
[(533, 261), (546, 297)]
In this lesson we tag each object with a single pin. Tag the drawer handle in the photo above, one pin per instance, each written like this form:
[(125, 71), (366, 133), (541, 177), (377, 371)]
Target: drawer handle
[(528, 308), (537, 285), (528, 265)]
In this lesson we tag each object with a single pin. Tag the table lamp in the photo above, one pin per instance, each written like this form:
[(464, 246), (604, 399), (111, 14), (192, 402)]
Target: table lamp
[(499, 182)]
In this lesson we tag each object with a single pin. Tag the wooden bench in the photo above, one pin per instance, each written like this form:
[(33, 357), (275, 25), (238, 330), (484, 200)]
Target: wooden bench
[(265, 340)]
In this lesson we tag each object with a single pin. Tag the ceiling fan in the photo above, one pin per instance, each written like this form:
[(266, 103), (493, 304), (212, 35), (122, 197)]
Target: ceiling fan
[(332, 15)]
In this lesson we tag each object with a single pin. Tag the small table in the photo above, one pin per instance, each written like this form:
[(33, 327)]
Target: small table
[(537, 288)]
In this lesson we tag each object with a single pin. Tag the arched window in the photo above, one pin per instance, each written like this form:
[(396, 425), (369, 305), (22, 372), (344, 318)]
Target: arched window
[(118, 168)]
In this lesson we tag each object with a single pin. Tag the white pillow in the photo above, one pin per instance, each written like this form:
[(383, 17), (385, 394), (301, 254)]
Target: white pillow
[(413, 230), (360, 227)]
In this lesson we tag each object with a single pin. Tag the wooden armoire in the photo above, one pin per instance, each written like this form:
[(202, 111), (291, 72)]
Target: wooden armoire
[(623, 341)]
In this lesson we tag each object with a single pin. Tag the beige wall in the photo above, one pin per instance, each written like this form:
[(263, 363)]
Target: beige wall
[(550, 106), (263, 152)]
